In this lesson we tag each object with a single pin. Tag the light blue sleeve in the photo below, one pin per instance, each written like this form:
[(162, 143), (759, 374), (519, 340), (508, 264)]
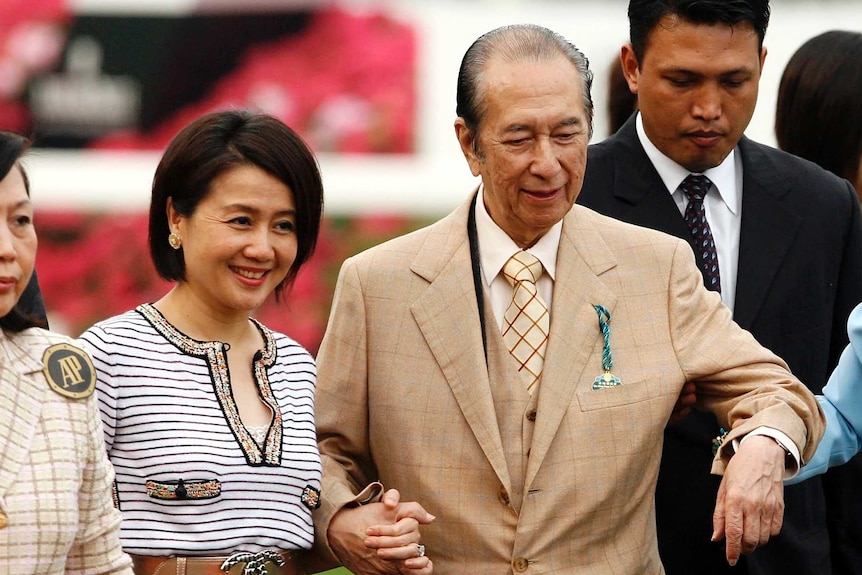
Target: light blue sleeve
[(842, 403)]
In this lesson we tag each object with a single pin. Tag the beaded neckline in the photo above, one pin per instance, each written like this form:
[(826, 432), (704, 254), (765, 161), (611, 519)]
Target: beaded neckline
[(215, 354)]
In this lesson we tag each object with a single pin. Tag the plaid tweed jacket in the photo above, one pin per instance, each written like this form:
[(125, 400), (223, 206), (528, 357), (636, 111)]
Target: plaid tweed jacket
[(404, 397), (56, 510)]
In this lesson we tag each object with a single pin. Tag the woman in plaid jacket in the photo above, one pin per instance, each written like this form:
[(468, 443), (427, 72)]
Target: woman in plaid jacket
[(56, 511)]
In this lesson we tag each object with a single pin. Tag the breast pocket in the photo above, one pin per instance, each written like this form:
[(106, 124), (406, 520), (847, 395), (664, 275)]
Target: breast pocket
[(179, 489), (617, 396), (623, 421)]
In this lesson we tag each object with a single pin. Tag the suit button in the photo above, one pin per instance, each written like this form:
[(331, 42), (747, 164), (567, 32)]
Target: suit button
[(521, 564), (504, 497), (531, 415), (3, 521)]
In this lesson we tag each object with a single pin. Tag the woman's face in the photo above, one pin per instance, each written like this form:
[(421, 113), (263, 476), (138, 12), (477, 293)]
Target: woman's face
[(240, 241), (17, 239)]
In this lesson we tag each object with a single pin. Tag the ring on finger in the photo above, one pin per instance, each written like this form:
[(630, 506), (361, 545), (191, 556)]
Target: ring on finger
[(420, 549)]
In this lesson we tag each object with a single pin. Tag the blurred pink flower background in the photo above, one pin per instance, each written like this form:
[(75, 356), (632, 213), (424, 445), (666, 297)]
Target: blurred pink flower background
[(345, 81), (93, 266)]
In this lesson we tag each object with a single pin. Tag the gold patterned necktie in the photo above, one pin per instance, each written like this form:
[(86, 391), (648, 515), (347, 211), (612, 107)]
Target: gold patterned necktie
[(526, 321)]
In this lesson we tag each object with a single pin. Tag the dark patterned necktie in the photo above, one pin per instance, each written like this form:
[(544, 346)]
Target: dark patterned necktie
[(696, 188)]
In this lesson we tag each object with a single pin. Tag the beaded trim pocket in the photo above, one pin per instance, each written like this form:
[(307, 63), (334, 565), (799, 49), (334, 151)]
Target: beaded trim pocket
[(180, 489)]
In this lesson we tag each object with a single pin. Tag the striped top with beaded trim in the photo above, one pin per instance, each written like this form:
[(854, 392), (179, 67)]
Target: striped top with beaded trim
[(168, 416)]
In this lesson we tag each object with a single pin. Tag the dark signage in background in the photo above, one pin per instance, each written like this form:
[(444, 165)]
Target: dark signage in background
[(131, 73), (80, 102), (344, 79)]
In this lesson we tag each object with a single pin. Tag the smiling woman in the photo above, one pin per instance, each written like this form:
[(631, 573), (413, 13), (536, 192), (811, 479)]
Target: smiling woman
[(238, 245), (208, 414)]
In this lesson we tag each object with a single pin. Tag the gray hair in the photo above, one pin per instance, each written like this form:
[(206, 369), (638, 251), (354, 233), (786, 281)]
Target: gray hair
[(514, 43)]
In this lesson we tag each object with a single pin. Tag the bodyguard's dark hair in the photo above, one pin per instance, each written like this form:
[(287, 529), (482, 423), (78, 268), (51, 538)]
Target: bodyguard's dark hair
[(12, 147), (645, 15), (819, 111), (216, 143), (516, 43)]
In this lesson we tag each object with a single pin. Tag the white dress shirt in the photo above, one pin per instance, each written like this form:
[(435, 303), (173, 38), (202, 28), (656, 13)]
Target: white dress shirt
[(723, 205)]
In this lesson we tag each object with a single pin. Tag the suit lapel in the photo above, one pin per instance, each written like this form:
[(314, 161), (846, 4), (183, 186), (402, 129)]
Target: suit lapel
[(21, 398), (638, 185), (448, 316), (768, 229), (581, 258), (766, 223)]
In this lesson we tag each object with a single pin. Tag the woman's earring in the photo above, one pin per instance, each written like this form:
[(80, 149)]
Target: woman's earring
[(175, 241)]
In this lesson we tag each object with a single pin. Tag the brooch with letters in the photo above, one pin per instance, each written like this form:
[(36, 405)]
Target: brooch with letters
[(606, 379), (69, 371)]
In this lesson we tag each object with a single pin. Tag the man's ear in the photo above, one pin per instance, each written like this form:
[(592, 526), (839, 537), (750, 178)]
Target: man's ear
[(631, 67), (468, 147)]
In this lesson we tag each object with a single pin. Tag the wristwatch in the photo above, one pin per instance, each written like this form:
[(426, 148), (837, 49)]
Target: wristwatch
[(789, 460)]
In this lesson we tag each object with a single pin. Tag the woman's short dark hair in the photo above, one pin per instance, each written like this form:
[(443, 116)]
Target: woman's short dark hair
[(819, 112), (12, 147), (216, 143)]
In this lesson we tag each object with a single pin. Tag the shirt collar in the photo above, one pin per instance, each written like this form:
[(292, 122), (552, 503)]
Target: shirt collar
[(723, 176), (496, 247)]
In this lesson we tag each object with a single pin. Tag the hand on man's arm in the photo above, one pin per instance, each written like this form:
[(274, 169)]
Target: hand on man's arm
[(686, 400), (381, 538), (750, 504)]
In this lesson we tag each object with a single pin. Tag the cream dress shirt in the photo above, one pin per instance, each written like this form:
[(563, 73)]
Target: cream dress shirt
[(495, 249)]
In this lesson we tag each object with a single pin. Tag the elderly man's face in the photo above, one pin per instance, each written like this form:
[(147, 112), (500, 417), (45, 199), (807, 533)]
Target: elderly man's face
[(532, 144)]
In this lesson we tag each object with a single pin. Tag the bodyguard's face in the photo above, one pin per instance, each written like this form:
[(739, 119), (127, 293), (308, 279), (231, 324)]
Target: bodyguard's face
[(696, 87), (532, 144)]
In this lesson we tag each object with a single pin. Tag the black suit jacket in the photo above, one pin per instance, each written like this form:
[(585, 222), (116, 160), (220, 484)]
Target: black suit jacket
[(799, 276)]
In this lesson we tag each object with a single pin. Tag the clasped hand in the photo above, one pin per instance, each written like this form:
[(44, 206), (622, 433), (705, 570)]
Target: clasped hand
[(381, 538)]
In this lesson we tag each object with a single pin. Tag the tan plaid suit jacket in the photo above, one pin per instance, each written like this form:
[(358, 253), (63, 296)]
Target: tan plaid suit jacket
[(55, 479), (404, 396)]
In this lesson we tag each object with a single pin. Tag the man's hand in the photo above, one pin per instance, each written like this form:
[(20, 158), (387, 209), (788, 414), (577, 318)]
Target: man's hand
[(750, 504), (686, 399), (381, 538)]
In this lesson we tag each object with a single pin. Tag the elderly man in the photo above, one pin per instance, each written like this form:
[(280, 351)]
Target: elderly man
[(512, 367)]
